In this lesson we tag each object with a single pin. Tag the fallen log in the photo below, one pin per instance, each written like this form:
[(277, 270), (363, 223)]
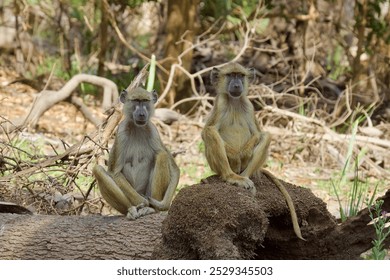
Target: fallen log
[(73, 237)]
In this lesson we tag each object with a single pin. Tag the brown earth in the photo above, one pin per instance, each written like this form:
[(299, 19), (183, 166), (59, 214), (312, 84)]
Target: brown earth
[(215, 220)]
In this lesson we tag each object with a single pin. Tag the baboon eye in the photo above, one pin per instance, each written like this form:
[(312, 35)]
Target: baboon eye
[(235, 75), (140, 100)]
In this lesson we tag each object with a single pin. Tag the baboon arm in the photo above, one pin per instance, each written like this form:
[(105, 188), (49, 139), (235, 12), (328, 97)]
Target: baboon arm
[(165, 179), (215, 152), (116, 159), (259, 156), (256, 128), (230, 150), (246, 152), (252, 142), (160, 176)]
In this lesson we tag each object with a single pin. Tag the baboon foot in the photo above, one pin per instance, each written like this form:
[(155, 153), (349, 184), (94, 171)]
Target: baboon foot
[(241, 181)]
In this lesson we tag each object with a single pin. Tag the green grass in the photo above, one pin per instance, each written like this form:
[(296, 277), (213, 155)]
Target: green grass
[(357, 196), (358, 193), (381, 223), (302, 109), (193, 173), (335, 64)]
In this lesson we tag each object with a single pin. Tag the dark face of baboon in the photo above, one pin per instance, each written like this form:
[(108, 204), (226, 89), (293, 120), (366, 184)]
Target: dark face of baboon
[(140, 112), (235, 84), (232, 79), (138, 105)]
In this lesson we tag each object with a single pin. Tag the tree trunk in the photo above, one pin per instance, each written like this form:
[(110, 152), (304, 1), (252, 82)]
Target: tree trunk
[(103, 38), (182, 20), (75, 237)]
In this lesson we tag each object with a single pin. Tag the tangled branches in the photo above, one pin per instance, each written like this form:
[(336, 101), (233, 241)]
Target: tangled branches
[(51, 179)]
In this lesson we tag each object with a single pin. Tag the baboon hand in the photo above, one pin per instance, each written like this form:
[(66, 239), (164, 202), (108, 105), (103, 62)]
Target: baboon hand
[(242, 182), (134, 212)]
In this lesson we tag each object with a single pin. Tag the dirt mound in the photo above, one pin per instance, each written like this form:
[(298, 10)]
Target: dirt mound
[(215, 220), (201, 219)]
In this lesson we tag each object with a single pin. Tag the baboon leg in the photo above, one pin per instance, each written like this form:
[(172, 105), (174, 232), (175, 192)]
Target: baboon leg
[(215, 152), (160, 177), (117, 191), (127, 189), (218, 160), (164, 181), (110, 191)]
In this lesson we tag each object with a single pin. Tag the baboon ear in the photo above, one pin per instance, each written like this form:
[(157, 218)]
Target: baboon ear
[(154, 96), (252, 75), (214, 75), (122, 96)]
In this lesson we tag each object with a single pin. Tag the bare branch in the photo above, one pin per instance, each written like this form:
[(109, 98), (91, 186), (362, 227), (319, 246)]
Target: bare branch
[(47, 98)]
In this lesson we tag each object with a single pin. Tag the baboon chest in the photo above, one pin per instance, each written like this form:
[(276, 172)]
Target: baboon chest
[(235, 131), (138, 167)]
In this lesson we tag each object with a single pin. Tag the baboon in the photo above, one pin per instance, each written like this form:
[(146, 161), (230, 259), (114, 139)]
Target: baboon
[(142, 175), (235, 147)]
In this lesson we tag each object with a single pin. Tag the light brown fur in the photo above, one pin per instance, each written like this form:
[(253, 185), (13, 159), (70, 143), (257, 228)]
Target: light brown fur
[(142, 175), (235, 147)]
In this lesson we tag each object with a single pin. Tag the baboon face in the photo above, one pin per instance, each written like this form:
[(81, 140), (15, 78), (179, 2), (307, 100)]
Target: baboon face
[(141, 109), (139, 105), (232, 79), (235, 84)]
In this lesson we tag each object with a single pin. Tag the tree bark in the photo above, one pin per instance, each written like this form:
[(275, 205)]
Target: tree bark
[(74, 237), (103, 38)]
